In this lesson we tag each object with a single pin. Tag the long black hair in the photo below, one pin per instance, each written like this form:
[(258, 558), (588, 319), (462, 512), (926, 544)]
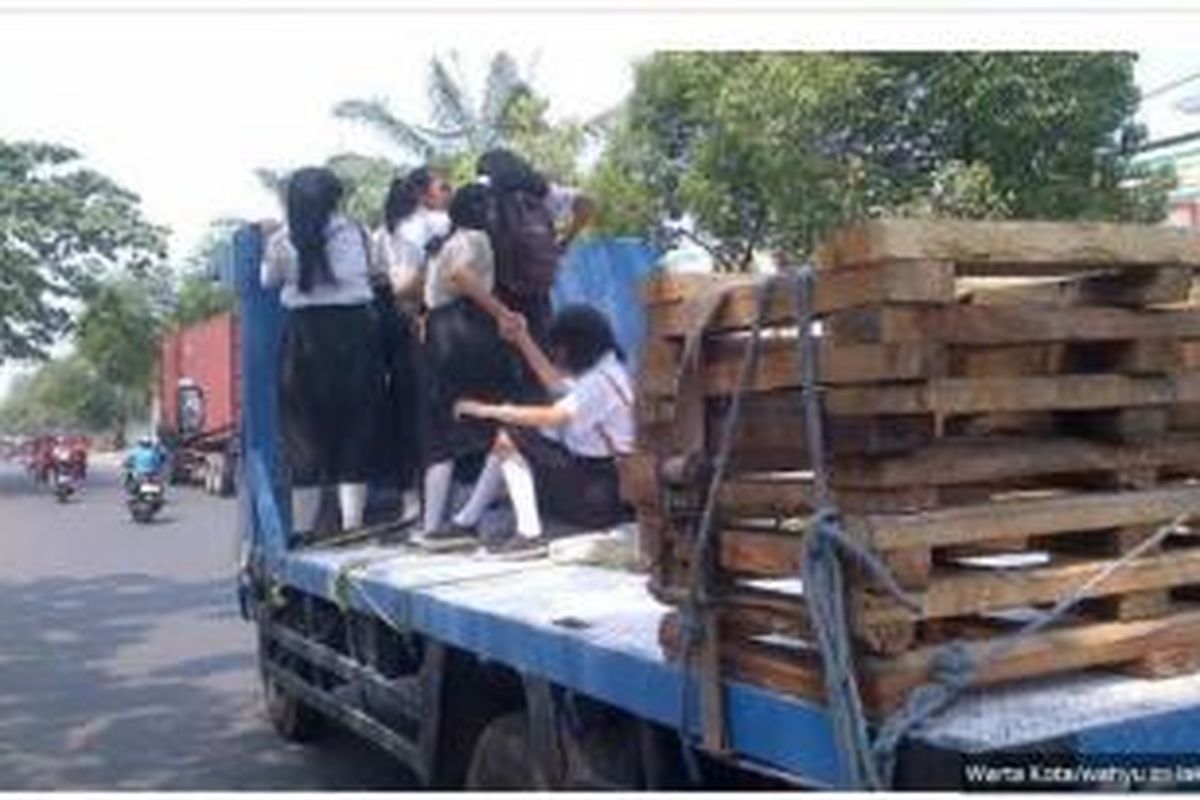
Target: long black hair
[(583, 335), (404, 195), (508, 172), (313, 194), (471, 209)]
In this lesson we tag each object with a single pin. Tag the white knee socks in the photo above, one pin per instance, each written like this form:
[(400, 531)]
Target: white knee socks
[(518, 478), (437, 493), (487, 487), (306, 505), (352, 500)]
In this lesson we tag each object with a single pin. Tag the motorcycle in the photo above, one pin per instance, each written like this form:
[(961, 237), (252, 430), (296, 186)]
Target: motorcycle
[(145, 498), (64, 485)]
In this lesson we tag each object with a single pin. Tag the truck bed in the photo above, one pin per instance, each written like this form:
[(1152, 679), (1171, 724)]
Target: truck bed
[(596, 631)]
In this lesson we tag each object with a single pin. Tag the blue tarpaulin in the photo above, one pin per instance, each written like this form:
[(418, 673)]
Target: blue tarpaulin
[(607, 273)]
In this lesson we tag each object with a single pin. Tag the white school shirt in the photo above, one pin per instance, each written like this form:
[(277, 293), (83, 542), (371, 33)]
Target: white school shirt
[(601, 405), (468, 247), (349, 260), (401, 253)]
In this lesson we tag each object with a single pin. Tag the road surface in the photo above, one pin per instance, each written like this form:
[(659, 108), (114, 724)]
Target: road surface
[(123, 661)]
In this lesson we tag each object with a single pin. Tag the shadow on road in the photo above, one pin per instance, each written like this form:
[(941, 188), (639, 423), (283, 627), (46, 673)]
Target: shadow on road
[(86, 702)]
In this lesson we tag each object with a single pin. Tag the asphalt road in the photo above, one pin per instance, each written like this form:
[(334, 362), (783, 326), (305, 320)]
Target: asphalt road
[(123, 661)]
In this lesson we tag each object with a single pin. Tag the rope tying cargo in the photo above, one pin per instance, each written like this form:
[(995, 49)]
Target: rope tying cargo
[(869, 761), (697, 600)]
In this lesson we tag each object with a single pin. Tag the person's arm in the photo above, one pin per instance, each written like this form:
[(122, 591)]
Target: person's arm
[(467, 284), (583, 210), (550, 416), (516, 331)]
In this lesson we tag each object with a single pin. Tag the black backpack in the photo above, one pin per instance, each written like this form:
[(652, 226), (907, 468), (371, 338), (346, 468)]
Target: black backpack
[(525, 243)]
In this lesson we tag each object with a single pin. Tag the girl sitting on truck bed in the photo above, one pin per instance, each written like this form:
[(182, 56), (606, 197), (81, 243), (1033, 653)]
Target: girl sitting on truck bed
[(561, 456)]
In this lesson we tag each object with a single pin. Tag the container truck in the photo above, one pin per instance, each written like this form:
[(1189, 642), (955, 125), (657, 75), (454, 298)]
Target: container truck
[(198, 399)]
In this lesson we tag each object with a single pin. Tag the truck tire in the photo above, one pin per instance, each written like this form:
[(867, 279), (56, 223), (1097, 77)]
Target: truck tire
[(292, 720), (503, 756)]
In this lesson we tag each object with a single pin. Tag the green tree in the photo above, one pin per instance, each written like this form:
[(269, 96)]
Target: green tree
[(771, 150), (118, 336), (62, 227), (458, 125), (65, 394)]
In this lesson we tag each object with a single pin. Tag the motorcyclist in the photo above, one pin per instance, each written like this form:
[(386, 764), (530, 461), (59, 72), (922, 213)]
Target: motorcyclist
[(145, 460)]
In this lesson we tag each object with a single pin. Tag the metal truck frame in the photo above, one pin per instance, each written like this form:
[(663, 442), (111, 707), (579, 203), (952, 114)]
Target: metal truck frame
[(491, 675)]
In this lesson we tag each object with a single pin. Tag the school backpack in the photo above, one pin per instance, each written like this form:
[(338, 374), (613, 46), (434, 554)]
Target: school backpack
[(525, 243)]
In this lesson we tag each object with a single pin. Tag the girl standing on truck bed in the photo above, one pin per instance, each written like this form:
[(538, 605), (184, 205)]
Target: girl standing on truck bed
[(464, 353), (331, 378)]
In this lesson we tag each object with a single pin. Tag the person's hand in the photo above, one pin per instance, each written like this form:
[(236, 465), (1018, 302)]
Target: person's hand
[(513, 326), (469, 408)]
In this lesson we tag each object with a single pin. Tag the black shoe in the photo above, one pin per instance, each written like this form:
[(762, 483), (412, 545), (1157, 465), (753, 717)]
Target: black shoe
[(448, 538), (519, 548)]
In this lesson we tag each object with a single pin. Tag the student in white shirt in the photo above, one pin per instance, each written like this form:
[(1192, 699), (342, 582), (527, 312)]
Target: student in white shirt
[(415, 215), (465, 355), (560, 457), (330, 379)]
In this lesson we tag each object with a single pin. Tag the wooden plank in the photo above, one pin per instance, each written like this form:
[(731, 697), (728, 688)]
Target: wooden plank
[(1001, 325), (1025, 518), (947, 396), (887, 681), (930, 283), (1161, 286), (772, 433), (962, 592), (1011, 247), (779, 365), (990, 459)]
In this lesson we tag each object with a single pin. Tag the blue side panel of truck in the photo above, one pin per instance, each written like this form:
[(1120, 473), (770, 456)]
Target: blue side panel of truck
[(605, 273)]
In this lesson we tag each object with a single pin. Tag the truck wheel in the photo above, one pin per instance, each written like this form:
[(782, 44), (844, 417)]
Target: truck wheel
[(291, 719), (503, 756)]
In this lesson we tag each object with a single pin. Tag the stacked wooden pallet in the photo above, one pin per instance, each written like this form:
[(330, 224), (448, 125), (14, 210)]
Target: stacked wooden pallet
[(1008, 408)]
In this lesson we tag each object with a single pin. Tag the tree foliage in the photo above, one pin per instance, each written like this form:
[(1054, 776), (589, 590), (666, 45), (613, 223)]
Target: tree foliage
[(508, 113), (62, 227), (118, 336), (66, 394), (770, 150)]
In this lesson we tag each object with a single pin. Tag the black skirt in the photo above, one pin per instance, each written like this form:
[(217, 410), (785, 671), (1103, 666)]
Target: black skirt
[(465, 358), (398, 443), (331, 390), (578, 490)]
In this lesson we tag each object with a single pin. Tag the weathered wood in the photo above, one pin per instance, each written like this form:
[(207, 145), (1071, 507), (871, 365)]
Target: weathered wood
[(1000, 325), (931, 283), (772, 433), (779, 365), (947, 396), (1026, 518), (964, 592), (1011, 247), (989, 459), (887, 681), (1161, 286)]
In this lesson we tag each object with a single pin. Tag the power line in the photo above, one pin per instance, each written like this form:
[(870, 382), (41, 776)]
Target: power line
[(1175, 84)]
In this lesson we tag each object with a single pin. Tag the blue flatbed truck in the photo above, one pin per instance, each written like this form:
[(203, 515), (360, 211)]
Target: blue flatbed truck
[(540, 675)]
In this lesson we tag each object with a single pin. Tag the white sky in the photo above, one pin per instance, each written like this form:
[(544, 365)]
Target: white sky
[(181, 107)]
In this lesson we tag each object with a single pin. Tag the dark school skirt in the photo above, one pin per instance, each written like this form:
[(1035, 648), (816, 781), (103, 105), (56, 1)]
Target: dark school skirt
[(398, 443), (331, 389), (465, 358), (580, 491)]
